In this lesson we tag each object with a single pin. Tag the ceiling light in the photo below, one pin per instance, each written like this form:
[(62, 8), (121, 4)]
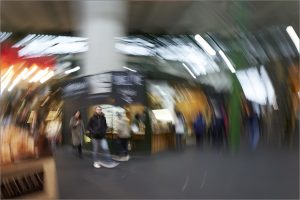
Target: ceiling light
[(228, 63), (189, 71), (129, 69), (6, 81), (72, 70), (30, 72), (205, 45), (47, 77), (293, 35), (18, 79), (7, 73), (39, 75), (4, 36)]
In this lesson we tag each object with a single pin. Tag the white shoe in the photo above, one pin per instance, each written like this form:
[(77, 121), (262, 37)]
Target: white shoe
[(109, 165), (121, 159), (97, 165), (127, 158), (116, 158)]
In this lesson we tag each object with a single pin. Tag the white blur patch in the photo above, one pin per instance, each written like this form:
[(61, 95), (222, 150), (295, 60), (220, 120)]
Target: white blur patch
[(163, 115), (252, 85), (293, 35)]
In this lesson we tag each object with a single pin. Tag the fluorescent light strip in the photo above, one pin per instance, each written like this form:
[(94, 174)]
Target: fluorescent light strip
[(6, 73), (24, 40), (72, 70), (39, 75), (35, 76), (4, 36), (18, 79), (205, 45), (129, 69), (293, 35), (47, 77), (228, 63), (189, 71), (5, 83), (30, 72)]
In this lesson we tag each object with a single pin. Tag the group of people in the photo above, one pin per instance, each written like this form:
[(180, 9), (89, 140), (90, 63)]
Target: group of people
[(215, 133), (97, 127)]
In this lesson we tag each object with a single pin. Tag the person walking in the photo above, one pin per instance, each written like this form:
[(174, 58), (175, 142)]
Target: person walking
[(97, 127), (179, 130), (123, 130), (199, 128), (77, 130)]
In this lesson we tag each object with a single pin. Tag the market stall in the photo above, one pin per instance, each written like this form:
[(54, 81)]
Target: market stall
[(165, 97), (27, 166)]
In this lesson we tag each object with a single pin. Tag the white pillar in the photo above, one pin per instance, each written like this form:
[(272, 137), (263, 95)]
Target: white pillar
[(101, 22)]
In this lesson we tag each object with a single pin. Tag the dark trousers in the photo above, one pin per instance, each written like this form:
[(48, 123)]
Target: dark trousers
[(123, 142), (217, 137), (79, 149), (179, 141), (199, 140)]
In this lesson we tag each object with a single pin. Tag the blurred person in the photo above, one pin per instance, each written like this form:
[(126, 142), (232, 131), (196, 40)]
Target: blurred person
[(179, 130), (7, 117), (199, 129), (135, 125), (254, 127), (225, 125), (22, 120), (123, 130), (218, 126), (39, 133), (217, 131), (52, 132), (97, 127), (77, 130)]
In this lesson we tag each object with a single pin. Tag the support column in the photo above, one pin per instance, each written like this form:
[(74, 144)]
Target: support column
[(101, 22)]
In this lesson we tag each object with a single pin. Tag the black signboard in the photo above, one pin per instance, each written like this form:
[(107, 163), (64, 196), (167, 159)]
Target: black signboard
[(125, 87), (100, 85), (128, 88), (74, 88)]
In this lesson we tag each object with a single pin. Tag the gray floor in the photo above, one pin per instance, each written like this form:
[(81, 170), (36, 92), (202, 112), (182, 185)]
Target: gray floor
[(267, 173)]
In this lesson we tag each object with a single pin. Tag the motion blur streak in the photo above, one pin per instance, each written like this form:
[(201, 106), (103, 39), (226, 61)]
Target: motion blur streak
[(149, 99)]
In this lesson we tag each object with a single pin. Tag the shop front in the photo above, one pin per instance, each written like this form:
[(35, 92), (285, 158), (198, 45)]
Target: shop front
[(117, 93), (149, 100), (166, 97)]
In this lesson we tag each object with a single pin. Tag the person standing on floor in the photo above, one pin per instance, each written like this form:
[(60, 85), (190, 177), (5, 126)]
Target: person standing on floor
[(179, 130), (199, 128), (53, 130), (77, 130), (97, 127), (254, 125), (123, 130)]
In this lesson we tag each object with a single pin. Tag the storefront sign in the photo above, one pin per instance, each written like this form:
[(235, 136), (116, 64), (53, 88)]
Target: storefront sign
[(125, 87), (76, 87), (128, 88), (100, 83)]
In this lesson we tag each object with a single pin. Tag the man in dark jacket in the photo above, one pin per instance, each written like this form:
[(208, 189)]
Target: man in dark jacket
[(97, 127)]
